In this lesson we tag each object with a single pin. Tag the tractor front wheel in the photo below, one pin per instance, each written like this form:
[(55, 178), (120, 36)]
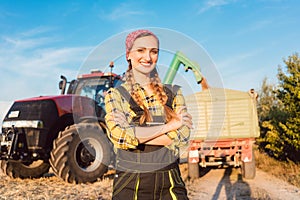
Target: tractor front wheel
[(81, 153)]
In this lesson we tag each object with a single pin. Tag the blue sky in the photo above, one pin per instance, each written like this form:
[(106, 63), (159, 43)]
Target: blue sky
[(40, 40)]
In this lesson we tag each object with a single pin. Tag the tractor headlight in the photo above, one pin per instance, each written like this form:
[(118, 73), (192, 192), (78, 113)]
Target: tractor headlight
[(23, 124)]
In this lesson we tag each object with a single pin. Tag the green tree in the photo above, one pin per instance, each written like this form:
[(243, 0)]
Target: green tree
[(279, 111), (266, 101), (289, 94), (269, 112)]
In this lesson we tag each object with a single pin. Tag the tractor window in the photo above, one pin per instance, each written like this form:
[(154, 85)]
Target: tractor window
[(88, 91), (94, 88)]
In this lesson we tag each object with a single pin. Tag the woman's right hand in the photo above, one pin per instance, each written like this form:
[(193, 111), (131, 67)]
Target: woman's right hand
[(119, 118), (183, 119)]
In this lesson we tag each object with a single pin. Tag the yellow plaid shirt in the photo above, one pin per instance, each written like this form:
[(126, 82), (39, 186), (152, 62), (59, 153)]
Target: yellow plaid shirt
[(124, 137)]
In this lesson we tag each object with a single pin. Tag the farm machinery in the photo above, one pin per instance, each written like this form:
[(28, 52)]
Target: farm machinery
[(67, 132), (225, 121)]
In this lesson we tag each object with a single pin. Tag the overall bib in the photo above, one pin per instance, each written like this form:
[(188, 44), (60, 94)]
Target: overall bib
[(149, 172)]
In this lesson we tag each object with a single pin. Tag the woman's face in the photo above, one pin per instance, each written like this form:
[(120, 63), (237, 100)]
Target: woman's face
[(144, 54)]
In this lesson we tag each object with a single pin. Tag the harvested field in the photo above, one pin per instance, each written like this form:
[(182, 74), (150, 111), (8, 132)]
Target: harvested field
[(225, 183)]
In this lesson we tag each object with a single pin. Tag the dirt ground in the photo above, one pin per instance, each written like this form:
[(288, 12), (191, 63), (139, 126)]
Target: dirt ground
[(225, 183)]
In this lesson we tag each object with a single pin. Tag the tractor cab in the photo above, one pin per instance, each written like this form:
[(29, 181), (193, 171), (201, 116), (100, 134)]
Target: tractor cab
[(93, 85)]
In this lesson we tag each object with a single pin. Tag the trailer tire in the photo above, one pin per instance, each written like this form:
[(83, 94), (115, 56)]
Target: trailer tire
[(81, 153), (248, 169), (194, 170), (14, 169)]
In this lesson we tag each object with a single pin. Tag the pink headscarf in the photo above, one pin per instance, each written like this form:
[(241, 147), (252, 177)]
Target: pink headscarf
[(131, 37)]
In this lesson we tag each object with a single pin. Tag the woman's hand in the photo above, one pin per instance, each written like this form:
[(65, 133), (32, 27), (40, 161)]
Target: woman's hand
[(119, 118), (183, 119)]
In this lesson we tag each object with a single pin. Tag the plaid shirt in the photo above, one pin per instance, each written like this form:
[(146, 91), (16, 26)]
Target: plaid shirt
[(124, 137)]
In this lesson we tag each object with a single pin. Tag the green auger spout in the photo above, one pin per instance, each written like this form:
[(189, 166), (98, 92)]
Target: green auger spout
[(178, 59)]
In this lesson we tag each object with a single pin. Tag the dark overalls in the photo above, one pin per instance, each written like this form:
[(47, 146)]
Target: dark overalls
[(149, 172)]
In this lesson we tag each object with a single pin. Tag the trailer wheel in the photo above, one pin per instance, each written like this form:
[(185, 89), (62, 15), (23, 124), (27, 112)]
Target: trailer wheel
[(34, 169), (248, 169), (81, 153), (193, 170)]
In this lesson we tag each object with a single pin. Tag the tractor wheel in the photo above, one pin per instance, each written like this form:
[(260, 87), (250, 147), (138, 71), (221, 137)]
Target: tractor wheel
[(193, 170), (81, 153), (248, 169), (34, 169)]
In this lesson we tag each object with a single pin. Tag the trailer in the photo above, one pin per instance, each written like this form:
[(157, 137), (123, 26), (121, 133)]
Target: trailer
[(226, 125)]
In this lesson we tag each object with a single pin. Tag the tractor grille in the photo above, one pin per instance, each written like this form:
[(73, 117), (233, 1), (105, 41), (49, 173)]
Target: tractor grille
[(41, 110)]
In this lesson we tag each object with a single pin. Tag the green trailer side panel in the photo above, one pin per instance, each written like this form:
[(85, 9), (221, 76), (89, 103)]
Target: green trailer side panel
[(220, 113)]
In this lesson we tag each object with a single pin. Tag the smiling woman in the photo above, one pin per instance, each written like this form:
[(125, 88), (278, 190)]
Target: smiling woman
[(146, 131)]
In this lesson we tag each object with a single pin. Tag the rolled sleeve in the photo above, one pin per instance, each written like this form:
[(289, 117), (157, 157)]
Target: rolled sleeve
[(180, 136), (122, 137)]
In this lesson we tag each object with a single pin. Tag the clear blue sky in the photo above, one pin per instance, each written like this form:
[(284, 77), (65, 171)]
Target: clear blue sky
[(40, 40)]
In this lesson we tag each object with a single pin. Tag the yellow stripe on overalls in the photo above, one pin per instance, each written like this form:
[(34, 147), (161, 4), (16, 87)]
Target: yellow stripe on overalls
[(137, 188), (172, 186)]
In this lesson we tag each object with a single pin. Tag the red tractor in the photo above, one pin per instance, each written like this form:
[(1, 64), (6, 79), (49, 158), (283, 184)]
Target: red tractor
[(66, 132)]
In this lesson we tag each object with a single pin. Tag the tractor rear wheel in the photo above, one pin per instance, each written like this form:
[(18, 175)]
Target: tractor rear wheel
[(14, 169), (81, 153)]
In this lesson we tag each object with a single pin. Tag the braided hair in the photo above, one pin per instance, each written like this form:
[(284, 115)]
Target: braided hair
[(157, 87)]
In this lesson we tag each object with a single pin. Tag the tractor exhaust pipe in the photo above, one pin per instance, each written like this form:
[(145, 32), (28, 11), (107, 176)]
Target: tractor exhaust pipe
[(62, 84)]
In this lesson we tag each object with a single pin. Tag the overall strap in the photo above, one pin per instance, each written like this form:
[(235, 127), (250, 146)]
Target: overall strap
[(170, 90), (133, 105)]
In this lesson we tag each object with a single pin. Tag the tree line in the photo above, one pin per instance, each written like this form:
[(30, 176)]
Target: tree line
[(279, 112)]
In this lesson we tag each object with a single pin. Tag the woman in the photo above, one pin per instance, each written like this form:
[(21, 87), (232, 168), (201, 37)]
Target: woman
[(146, 143)]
